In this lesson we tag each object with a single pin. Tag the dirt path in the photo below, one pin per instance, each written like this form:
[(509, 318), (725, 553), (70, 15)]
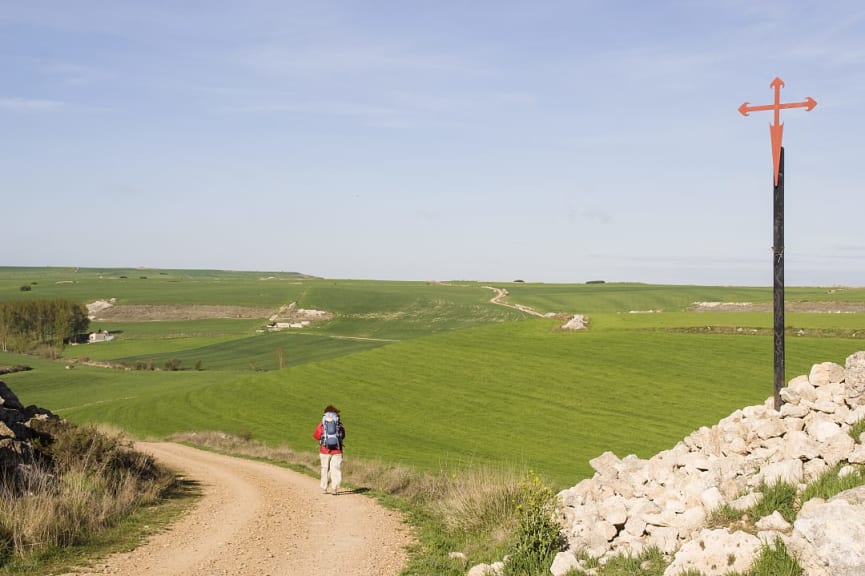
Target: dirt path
[(259, 519), (499, 299)]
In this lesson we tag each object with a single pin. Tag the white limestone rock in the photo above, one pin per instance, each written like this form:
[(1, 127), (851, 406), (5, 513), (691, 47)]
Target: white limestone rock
[(829, 537), (826, 373), (715, 553)]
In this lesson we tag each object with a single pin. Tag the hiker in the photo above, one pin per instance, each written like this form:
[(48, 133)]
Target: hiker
[(330, 434)]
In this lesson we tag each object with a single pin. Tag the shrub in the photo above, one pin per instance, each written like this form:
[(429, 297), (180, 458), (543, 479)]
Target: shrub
[(79, 483), (173, 364), (26, 288), (538, 535), (68, 445), (143, 365)]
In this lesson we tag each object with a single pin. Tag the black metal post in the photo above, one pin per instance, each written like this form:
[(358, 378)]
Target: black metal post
[(778, 292)]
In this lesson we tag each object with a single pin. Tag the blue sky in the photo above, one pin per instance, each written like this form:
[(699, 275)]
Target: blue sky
[(551, 141)]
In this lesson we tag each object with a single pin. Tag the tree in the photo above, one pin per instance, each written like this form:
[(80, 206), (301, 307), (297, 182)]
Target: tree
[(25, 326)]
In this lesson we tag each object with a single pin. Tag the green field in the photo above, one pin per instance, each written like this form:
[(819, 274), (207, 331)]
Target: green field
[(428, 374)]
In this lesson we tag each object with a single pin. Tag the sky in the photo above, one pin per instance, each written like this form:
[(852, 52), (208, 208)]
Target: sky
[(546, 141)]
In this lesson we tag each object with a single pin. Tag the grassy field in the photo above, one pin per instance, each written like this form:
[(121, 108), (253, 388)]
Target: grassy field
[(429, 374)]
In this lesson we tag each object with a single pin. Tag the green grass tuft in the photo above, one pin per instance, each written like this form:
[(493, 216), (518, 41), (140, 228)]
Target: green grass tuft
[(775, 560), (856, 430), (831, 482), (780, 497)]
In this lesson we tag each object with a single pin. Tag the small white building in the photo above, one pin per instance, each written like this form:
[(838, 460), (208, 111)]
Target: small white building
[(284, 325), (101, 336)]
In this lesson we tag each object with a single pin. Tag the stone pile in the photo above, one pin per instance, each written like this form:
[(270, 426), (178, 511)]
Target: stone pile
[(631, 504), (19, 427)]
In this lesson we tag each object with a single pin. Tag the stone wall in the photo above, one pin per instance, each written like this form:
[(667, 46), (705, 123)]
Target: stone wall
[(630, 504)]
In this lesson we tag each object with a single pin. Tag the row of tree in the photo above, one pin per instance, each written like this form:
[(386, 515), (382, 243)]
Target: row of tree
[(29, 325)]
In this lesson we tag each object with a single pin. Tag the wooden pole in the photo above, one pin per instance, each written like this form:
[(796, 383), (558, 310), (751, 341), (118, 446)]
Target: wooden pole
[(778, 291)]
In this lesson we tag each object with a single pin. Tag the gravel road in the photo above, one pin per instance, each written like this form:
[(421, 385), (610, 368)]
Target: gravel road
[(259, 519)]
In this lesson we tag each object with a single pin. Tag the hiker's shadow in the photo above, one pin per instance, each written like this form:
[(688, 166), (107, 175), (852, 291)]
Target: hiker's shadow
[(361, 490)]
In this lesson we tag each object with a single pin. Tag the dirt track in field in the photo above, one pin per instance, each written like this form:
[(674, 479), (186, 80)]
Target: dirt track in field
[(257, 519)]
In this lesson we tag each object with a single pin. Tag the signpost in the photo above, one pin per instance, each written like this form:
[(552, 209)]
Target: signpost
[(776, 132)]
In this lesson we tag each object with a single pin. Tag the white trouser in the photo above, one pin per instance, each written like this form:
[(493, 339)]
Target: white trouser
[(331, 463)]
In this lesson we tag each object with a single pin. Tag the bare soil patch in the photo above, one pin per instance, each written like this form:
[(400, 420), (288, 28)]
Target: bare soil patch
[(13, 369), (163, 312)]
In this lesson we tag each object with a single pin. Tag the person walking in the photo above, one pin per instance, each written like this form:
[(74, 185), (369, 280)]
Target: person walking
[(330, 434)]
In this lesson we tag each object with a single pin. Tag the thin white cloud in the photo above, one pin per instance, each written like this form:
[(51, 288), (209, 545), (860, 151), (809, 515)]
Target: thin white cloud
[(71, 74), (373, 114), (384, 84), (29, 104), (283, 60), (383, 108)]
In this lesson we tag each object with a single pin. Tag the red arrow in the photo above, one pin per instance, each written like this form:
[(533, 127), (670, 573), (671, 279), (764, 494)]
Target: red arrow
[(776, 129)]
